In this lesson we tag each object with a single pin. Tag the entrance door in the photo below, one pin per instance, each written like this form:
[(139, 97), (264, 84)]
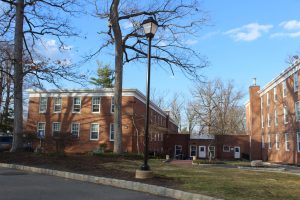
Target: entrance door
[(178, 152), (202, 151), (237, 152)]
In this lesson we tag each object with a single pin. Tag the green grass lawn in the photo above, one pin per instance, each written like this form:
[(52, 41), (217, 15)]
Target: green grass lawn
[(224, 183)]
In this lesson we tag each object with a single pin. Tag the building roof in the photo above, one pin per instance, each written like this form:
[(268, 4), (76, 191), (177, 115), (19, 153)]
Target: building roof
[(96, 92), (281, 77)]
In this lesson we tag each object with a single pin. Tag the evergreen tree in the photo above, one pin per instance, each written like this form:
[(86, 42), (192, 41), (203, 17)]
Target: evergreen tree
[(105, 76)]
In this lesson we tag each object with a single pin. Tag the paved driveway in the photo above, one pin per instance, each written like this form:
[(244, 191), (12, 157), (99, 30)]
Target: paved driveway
[(15, 185)]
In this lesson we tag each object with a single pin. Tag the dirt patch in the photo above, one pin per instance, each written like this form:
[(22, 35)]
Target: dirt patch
[(110, 167)]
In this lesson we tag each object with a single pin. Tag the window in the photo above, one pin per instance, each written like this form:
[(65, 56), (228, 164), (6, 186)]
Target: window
[(76, 104), (276, 118), (96, 104), (269, 141), (57, 104), (284, 88), (75, 127), (112, 132), (297, 111), (269, 120), (285, 115), (275, 94), (43, 104), (286, 141), (226, 148), (41, 128), (296, 82), (178, 152), (112, 107), (55, 128), (298, 142), (193, 150), (262, 121), (268, 99), (277, 141), (211, 151), (94, 134)]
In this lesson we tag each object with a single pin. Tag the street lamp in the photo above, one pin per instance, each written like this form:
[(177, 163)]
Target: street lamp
[(150, 27)]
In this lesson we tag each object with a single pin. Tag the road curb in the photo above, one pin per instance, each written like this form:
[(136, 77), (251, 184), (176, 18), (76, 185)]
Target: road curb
[(130, 185)]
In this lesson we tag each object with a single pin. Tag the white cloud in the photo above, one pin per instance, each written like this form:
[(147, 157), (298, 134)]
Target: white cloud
[(127, 25), (290, 35), (248, 32), (190, 42), (290, 25)]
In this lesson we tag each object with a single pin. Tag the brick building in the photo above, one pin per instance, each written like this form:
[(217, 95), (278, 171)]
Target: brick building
[(273, 118), (87, 116), (223, 147)]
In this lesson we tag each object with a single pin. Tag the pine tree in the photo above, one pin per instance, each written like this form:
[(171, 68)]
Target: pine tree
[(105, 76)]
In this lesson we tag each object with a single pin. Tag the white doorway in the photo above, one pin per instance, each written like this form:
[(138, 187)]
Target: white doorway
[(178, 152), (237, 152), (202, 151)]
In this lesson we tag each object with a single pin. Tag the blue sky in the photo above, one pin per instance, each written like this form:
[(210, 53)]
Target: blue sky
[(243, 40)]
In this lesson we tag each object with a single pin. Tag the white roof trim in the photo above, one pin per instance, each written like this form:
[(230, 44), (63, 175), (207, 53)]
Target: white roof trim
[(281, 77), (95, 92)]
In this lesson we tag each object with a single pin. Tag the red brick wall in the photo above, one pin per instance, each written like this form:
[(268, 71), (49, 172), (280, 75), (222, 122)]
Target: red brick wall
[(255, 123), (132, 108), (170, 140)]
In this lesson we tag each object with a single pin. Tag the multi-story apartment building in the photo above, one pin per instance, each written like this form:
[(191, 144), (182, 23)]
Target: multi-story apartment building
[(273, 118), (87, 116)]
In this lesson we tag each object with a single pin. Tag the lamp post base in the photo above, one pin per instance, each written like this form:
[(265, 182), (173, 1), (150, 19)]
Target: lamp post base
[(143, 174)]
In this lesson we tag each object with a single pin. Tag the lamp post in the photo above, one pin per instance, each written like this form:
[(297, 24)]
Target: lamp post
[(150, 27)]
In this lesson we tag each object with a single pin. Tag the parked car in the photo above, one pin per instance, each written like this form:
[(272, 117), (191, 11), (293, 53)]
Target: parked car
[(5, 142)]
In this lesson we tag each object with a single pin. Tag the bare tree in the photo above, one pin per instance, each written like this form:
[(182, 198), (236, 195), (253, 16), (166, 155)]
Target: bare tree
[(177, 20), (218, 109), (26, 22), (176, 108), (191, 117)]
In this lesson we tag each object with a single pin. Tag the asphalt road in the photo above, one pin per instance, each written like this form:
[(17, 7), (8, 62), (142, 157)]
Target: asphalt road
[(21, 185)]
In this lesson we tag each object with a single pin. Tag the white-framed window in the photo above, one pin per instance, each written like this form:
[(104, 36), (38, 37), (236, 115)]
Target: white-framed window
[(262, 121), (112, 105), (284, 90), (178, 151), (268, 99), (297, 110), (296, 82), (275, 94), (41, 128), (43, 104), (285, 115), (55, 128), (277, 141), (76, 104), (226, 148), (298, 142), (75, 129), (112, 132), (286, 142), (262, 141), (269, 120), (269, 141), (57, 104), (94, 132), (212, 151), (276, 117), (193, 150), (96, 104)]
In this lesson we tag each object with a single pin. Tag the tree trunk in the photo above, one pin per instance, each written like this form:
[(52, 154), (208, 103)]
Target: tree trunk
[(114, 20), (18, 78)]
